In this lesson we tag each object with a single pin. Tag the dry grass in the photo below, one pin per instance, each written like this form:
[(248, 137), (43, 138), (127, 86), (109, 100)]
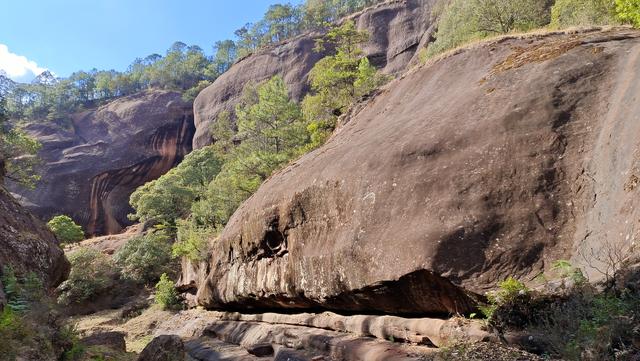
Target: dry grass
[(139, 330), (535, 54), (534, 34)]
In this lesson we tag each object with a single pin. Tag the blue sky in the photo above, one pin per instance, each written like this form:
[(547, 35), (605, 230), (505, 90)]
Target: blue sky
[(68, 35)]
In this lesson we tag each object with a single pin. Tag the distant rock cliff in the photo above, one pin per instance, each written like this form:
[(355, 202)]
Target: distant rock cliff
[(396, 29), (495, 161), (92, 165)]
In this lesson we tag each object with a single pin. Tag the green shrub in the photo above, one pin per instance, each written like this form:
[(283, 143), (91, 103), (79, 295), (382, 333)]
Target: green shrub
[(170, 197), (509, 291), (192, 241), (166, 294), (65, 229), (462, 21), (92, 273), (628, 11), (74, 349), (143, 259), (567, 13)]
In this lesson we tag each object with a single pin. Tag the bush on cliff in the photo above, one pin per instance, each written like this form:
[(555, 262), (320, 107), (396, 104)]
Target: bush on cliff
[(143, 259), (65, 229), (337, 81)]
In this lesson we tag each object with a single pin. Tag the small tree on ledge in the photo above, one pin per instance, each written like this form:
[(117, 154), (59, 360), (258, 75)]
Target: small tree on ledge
[(65, 229)]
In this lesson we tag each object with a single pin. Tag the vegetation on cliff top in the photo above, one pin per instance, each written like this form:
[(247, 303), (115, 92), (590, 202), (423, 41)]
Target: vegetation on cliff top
[(185, 68), (17, 152), (462, 21)]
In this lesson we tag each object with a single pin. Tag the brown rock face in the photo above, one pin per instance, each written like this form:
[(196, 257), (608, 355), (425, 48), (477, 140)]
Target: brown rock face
[(396, 28), (92, 166), (27, 245), (163, 348), (492, 162)]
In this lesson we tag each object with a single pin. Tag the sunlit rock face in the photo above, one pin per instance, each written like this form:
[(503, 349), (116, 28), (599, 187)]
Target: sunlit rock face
[(494, 161), (93, 163), (395, 28)]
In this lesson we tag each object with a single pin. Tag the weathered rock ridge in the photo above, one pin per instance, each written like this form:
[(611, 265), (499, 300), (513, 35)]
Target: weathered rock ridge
[(27, 245), (92, 166), (396, 29), (495, 161)]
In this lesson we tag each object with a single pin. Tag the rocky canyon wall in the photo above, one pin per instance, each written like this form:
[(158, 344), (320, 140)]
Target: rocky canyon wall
[(92, 165), (494, 161)]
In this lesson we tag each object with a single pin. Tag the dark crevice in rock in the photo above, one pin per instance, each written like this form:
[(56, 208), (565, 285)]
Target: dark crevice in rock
[(417, 294)]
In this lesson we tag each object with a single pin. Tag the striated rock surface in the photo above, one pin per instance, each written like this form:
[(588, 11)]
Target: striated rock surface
[(92, 165), (495, 161), (396, 29), (27, 245)]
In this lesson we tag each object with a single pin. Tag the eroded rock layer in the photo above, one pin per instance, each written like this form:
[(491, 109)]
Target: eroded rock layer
[(396, 29), (495, 161), (92, 165)]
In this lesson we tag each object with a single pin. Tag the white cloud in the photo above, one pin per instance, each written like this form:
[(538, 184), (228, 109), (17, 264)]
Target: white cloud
[(18, 67)]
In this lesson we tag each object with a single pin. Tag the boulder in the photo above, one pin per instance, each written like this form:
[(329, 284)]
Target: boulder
[(490, 162), (113, 340), (395, 28), (163, 348), (93, 163), (27, 245)]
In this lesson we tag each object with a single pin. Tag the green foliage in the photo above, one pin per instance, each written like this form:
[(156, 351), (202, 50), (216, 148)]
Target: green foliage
[(65, 229), (143, 259), (565, 269), (337, 81), (18, 155), (92, 273), (192, 241), (75, 350), (13, 331), (589, 325), (628, 11), (21, 293), (170, 197), (166, 294), (509, 290), (462, 21), (567, 13)]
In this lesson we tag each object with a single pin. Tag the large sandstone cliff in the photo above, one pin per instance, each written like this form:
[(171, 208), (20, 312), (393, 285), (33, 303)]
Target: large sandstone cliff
[(396, 28), (494, 161), (91, 167)]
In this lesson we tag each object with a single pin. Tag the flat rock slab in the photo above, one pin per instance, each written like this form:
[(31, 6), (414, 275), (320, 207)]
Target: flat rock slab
[(209, 349)]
